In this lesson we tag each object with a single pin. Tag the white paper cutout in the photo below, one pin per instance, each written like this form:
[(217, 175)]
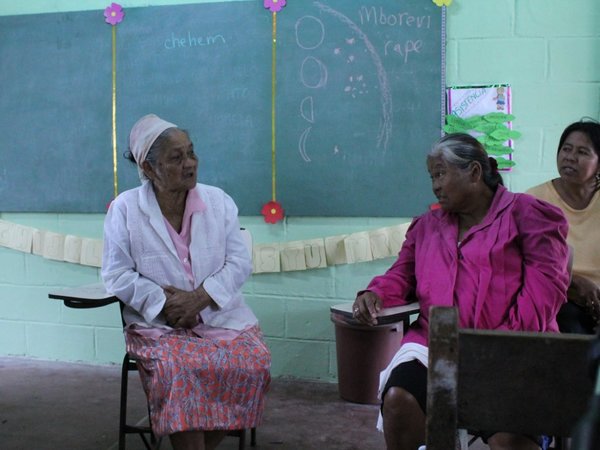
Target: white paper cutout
[(335, 250), (5, 228), (54, 246), (380, 243), (265, 258), (17, 237), (72, 249), (22, 238), (275, 257), (37, 247), (358, 247), (314, 254), (397, 235), (91, 252), (292, 256)]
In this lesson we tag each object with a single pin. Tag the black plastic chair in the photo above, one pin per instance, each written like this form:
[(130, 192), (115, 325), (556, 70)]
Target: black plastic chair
[(143, 431)]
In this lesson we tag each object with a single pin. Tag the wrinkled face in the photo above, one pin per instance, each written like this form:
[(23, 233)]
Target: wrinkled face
[(176, 167), (577, 159), (450, 184)]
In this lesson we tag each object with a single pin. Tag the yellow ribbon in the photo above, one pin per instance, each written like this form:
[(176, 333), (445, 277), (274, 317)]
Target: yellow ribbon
[(114, 108), (273, 84)]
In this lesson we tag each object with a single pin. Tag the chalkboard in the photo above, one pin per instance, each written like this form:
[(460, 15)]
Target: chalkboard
[(358, 102)]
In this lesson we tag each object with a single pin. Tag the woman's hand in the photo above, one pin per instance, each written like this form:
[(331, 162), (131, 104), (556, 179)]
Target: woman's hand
[(365, 308), (586, 294), (182, 307)]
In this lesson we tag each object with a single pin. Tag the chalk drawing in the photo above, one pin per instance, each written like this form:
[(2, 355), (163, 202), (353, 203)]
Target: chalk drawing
[(307, 110), (385, 127), (321, 35), (302, 144), (320, 68)]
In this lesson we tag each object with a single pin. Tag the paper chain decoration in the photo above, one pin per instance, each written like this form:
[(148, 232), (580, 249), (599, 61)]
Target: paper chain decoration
[(276, 257)]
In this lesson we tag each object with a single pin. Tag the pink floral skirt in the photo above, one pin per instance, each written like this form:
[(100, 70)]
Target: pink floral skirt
[(195, 383)]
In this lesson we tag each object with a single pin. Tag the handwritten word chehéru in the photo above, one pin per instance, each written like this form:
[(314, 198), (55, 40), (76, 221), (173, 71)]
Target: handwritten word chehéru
[(175, 42), (401, 19)]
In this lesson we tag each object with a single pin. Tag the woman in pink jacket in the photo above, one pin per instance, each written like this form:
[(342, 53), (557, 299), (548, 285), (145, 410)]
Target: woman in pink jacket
[(499, 257)]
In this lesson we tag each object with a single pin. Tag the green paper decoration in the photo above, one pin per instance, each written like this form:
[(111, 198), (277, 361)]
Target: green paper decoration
[(494, 133)]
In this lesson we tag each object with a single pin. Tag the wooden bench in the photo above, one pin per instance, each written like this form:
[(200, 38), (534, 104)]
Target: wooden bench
[(525, 383)]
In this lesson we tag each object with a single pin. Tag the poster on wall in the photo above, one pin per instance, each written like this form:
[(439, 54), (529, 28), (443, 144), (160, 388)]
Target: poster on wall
[(486, 113)]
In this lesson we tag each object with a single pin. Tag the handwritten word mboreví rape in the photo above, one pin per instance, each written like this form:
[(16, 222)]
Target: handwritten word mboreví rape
[(190, 40), (378, 16)]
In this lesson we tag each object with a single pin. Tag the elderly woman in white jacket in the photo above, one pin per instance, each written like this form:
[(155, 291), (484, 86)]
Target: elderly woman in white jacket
[(175, 256)]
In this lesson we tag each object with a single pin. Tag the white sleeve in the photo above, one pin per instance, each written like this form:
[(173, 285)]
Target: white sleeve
[(118, 268), (227, 281)]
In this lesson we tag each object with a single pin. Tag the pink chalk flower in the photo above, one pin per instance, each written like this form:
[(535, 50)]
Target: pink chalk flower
[(274, 5), (441, 3), (114, 14)]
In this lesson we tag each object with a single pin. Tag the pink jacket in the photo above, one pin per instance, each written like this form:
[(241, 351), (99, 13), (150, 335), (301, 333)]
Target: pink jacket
[(508, 273)]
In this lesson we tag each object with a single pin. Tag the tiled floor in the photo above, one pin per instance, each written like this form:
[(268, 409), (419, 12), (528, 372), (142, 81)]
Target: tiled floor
[(51, 406)]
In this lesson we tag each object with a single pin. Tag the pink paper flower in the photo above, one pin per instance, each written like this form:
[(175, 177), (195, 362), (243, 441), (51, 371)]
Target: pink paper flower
[(274, 5), (272, 211), (114, 14)]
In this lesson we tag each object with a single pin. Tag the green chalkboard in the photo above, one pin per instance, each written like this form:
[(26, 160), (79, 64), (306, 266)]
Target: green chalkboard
[(358, 102)]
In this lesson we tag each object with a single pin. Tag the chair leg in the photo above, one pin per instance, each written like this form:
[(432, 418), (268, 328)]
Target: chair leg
[(242, 439), (562, 443), (124, 428), (123, 401), (253, 437)]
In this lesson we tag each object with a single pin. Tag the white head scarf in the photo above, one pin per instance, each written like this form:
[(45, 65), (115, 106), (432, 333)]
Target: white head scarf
[(142, 136)]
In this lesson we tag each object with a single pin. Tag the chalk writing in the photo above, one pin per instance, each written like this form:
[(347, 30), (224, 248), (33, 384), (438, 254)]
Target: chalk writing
[(231, 120), (372, 15), (175, 42), (402, 48), (238, 93)]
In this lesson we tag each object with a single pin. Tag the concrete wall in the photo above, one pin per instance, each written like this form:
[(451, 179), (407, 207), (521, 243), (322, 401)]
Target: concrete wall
[(547, 50)]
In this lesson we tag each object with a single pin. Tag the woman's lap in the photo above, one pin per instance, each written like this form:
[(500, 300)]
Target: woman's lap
[(412, 377), (202, 384)]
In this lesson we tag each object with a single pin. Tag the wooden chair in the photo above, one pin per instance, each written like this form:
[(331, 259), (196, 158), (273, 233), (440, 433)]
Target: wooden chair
[(520, 382)]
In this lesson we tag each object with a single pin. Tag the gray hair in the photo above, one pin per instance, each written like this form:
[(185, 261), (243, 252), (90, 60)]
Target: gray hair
[(460, 150)]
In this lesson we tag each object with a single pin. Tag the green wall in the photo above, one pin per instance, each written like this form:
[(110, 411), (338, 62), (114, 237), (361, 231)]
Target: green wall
[(547, 50)]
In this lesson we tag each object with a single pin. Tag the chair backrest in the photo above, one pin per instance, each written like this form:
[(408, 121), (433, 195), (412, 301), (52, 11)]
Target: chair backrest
[(520, 382), (247, 239)]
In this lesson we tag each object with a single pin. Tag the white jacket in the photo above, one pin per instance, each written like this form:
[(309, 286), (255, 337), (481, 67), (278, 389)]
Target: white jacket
[(139, 258)]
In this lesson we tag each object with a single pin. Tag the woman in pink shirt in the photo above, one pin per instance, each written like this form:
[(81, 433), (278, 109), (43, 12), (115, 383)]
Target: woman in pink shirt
[(499, 257)]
